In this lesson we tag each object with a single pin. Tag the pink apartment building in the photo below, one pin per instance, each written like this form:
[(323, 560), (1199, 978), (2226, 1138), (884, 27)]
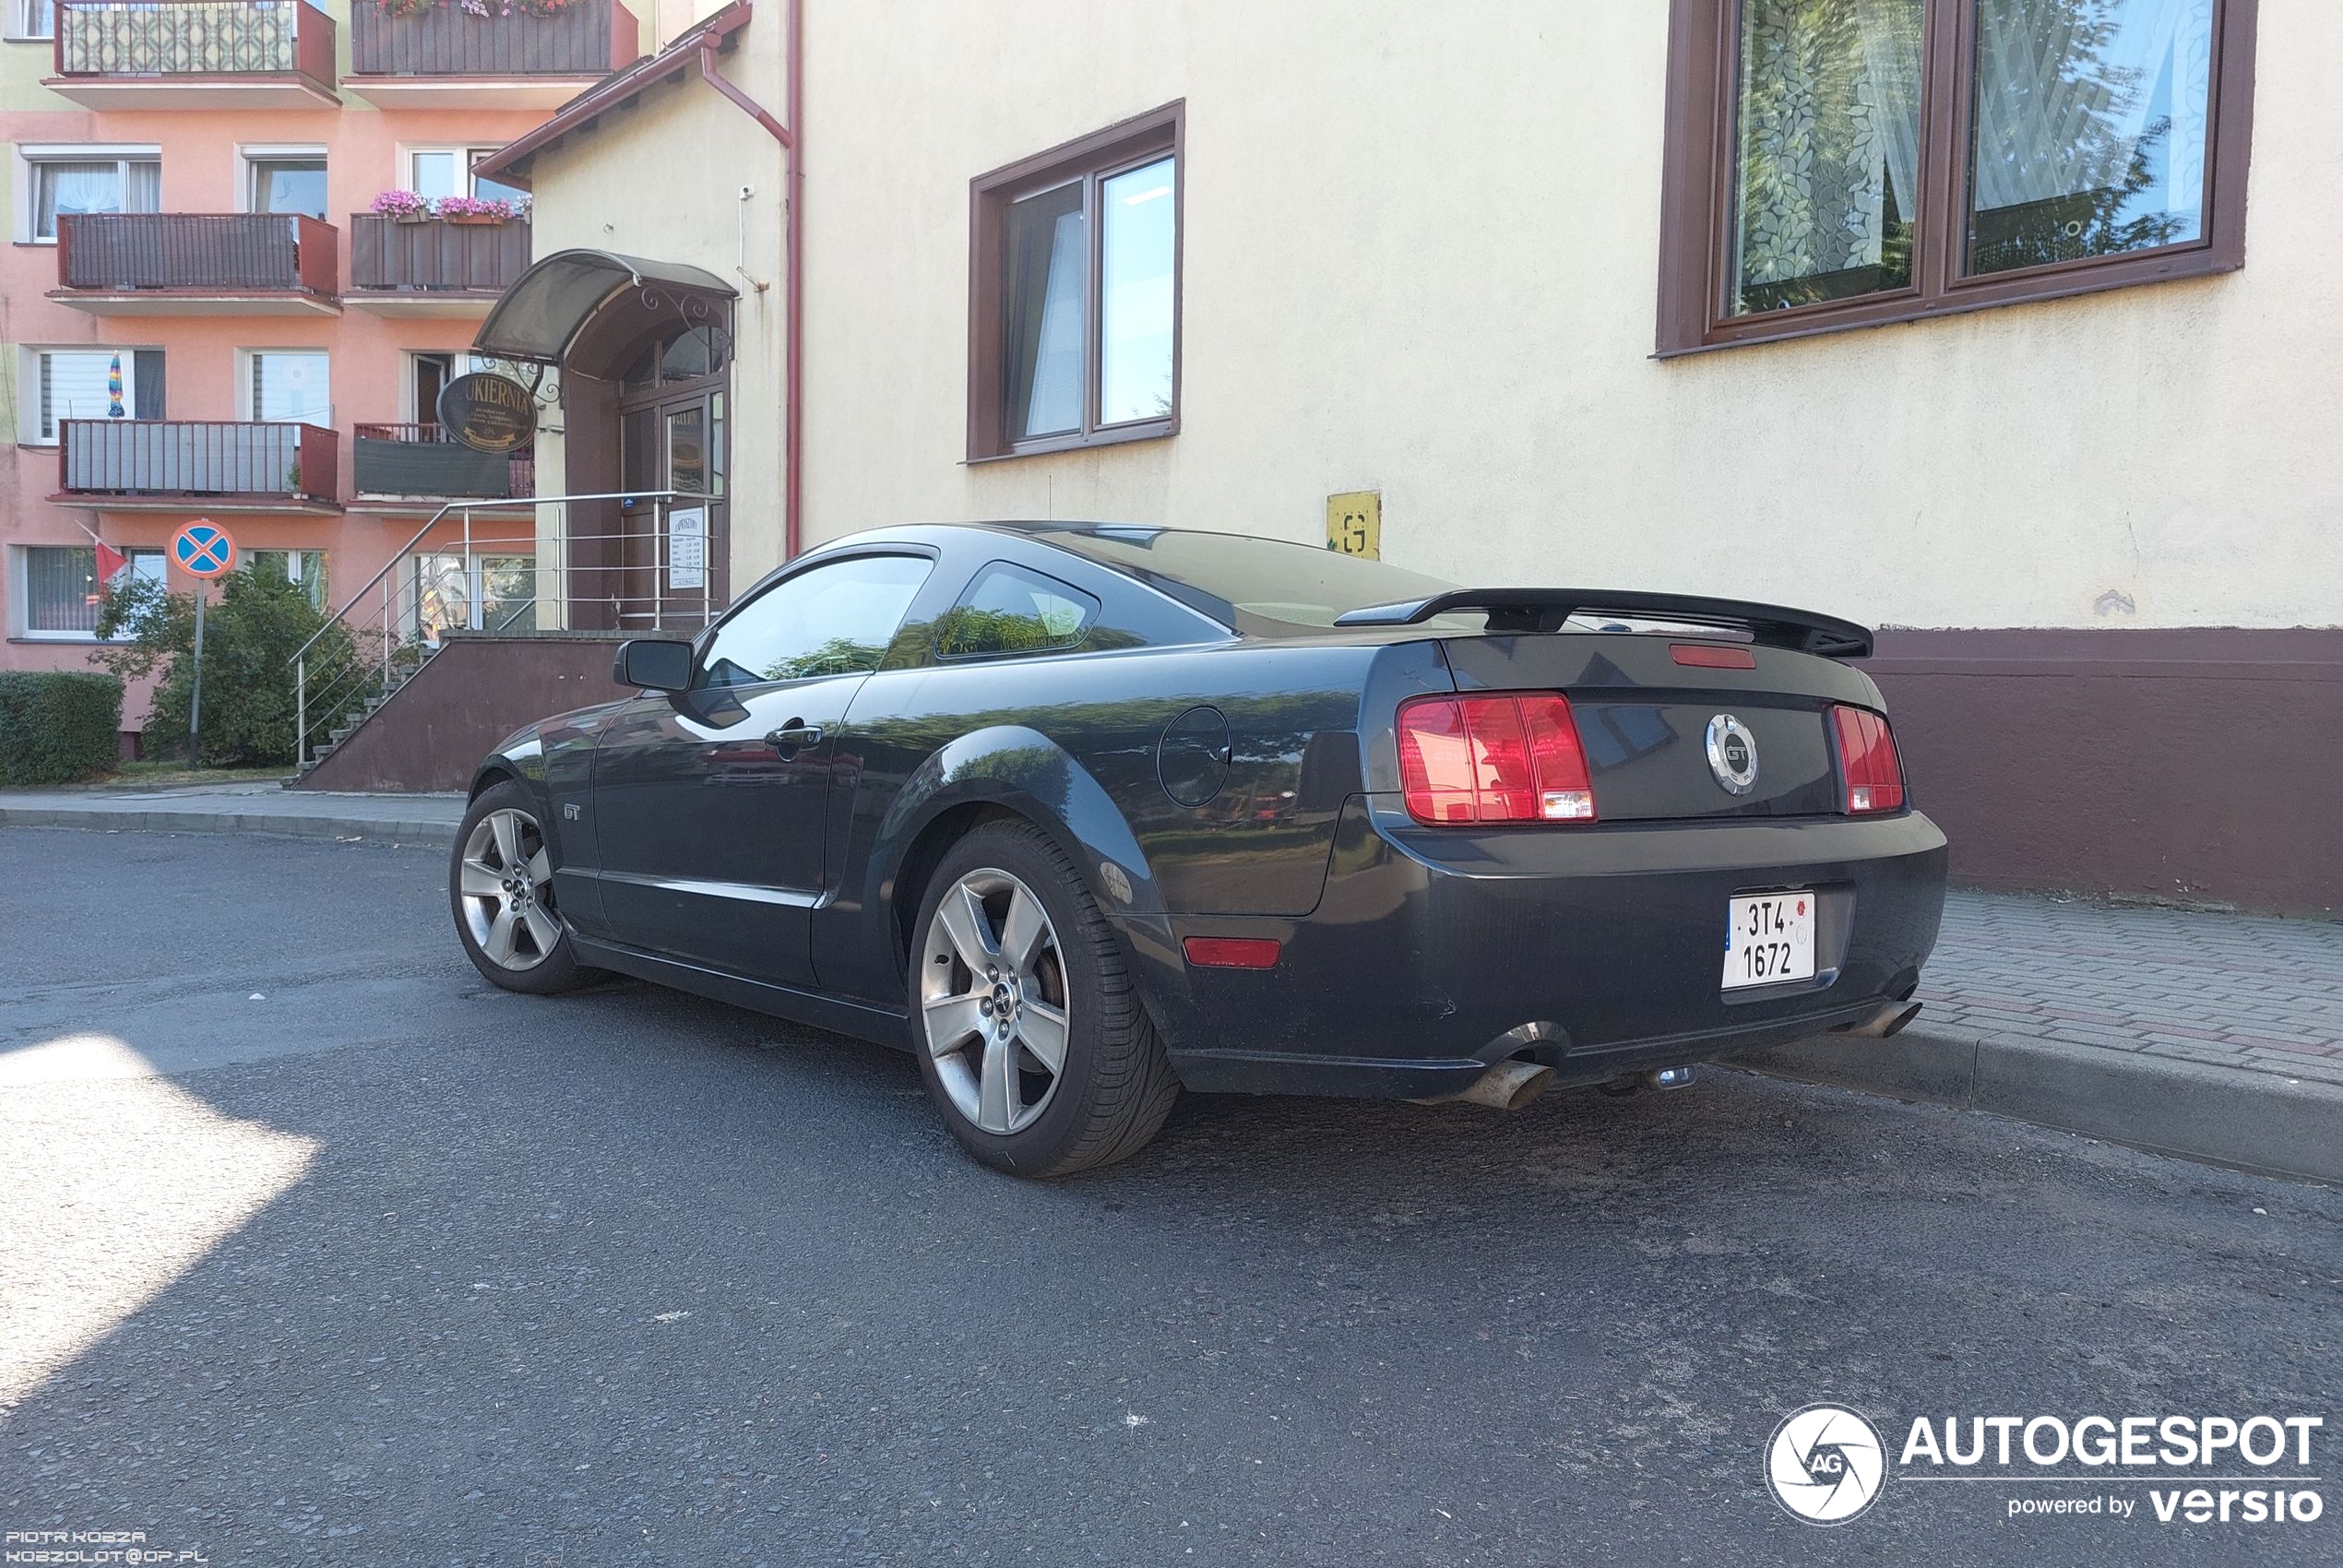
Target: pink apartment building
[(201, 316)]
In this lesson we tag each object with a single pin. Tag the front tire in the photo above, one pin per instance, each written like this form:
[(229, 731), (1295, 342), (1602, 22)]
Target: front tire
[(500, 886), (1031, 1038)]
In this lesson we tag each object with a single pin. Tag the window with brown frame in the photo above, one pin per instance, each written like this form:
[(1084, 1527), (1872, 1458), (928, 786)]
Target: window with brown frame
[(1073, 293), (1837, 164)]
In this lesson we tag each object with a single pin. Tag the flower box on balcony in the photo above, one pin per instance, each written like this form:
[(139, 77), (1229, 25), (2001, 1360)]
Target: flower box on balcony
[(402, 268)]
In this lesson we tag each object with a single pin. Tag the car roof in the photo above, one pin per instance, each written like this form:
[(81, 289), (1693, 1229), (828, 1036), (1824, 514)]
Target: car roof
[(1258, 586)]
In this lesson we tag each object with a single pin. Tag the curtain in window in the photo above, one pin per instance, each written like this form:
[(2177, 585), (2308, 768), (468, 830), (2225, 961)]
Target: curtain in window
[(142, 185), (1048, 257), (73, 189), (1830, 143), (292, 386), (2090, 128), (1829, 149), (147, 384), (61, 589)]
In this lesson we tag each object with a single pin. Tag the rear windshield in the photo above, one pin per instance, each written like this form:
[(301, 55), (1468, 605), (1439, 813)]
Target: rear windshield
[(1253, 585)]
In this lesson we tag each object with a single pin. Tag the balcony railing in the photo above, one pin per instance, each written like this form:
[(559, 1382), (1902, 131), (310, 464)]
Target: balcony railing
[(434, 255), (179, 39), (248, 460), (587, 39), (198, 253), (420, 459)]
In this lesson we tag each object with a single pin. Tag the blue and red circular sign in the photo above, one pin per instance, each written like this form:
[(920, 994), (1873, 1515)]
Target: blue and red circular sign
[(203, 549)]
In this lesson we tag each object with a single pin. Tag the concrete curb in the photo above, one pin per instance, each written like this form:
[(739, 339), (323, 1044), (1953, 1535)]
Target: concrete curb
[(2248, 1120), (304, 824)]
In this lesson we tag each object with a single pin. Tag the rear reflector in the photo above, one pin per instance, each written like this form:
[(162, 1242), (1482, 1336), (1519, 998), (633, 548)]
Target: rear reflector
[(1233, 952), (1867, 761), (1709, 656), (1509, 757)]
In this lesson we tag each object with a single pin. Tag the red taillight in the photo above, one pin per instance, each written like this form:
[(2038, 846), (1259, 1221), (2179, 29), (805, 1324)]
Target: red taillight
[(1867, 761), (1233, 952), (1513, 758)]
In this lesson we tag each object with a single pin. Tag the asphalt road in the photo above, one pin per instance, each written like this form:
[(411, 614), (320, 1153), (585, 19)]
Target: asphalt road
[(317, 1249)]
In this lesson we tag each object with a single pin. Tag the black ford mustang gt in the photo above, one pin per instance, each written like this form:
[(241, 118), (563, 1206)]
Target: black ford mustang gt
[(1086, 814)]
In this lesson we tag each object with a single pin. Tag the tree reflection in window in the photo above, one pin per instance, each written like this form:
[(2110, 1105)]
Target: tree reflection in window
[(837, 618), (1011, 610)]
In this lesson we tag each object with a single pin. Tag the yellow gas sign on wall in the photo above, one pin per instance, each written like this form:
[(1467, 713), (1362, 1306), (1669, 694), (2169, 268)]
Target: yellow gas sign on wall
[(1354, 523)]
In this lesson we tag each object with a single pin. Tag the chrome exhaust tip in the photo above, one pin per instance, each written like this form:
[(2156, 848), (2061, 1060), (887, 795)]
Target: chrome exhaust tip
[(1509, 1085), (1889, 1021)]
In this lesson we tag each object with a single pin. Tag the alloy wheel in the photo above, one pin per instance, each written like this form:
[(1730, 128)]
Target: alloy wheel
[(505, 886), (992, 1000)]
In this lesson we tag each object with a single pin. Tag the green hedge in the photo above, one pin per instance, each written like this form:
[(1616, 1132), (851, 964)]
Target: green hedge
[(57, 726)]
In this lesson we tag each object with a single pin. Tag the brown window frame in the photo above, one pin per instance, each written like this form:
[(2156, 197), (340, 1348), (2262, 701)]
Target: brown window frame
[(1697, 202), (1092, 159)]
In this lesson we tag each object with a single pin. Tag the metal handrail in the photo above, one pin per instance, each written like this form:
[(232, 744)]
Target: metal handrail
[(484, 505), (345, 679)]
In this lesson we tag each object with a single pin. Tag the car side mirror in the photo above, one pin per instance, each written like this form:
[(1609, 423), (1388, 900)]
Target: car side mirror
[(658, 664)]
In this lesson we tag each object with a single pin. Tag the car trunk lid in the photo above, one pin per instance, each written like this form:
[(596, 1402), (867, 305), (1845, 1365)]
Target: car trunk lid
[(1667, 739)]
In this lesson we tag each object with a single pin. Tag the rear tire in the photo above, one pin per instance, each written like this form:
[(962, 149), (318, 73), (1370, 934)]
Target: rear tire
[(500, 887), (1031, 1038)]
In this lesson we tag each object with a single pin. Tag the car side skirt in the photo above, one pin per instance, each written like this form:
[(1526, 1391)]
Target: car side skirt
[(878, 1024)]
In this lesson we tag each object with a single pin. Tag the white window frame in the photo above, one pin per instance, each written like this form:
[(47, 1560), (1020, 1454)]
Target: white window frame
[(17, 27), (31, 156), (250, 153), (29, 359), (245, 409), (20, 585), (317, 588), (465, 154)]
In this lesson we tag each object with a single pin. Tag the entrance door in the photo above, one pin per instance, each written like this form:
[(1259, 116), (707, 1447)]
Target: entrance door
[(671, 438), (710, 805)]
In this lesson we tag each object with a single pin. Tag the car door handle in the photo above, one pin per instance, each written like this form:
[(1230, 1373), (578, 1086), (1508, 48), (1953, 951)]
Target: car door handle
[(794, 737)]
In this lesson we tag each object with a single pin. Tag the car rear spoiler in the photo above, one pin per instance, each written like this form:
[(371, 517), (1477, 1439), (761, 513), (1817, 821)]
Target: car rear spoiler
[(1535, 609)]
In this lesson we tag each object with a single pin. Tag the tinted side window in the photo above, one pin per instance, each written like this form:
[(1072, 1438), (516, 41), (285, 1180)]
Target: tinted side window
[(1010, 610), (830, 620)]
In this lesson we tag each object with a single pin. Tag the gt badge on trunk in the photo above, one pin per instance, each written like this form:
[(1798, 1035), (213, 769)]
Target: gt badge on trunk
[(1732, 754)]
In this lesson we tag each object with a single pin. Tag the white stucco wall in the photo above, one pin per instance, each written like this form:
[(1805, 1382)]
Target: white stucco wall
[(661, 181), (1420, 251)]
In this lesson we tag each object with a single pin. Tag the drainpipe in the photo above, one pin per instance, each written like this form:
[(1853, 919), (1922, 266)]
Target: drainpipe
[(793, 295), (792, 421)]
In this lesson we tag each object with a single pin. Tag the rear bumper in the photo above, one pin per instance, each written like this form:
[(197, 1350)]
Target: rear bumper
[(1596, 950)]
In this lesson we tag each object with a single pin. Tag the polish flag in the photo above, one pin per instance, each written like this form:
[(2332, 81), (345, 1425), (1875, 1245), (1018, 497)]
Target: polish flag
[(110, 563)]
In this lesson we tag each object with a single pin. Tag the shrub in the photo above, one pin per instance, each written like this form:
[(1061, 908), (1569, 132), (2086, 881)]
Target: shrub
[(57, 726), (250, 637)]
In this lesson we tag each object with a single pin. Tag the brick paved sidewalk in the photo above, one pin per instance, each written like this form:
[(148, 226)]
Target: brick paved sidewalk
[(2225, 991)]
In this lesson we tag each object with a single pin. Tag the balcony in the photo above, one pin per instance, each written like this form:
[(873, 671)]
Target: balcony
[(446, 58), (196, 264), (434, 267), (419, 462), (194, 55), (175, 465)]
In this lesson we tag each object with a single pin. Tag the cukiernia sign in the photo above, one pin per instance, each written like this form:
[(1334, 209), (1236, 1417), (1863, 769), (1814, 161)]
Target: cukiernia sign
[(488, 412)]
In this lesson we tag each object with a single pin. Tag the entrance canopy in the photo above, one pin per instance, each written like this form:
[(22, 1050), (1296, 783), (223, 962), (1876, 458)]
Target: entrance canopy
[(540, 316)]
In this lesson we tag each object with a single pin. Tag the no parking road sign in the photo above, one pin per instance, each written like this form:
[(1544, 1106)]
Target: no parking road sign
[(203, 549)]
